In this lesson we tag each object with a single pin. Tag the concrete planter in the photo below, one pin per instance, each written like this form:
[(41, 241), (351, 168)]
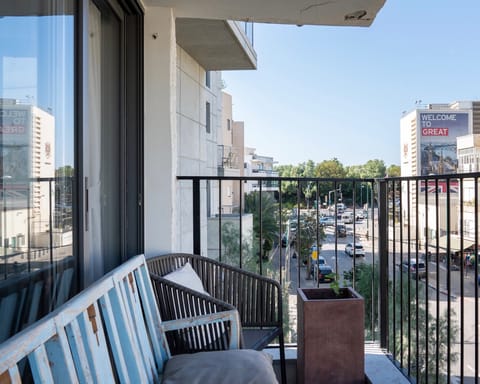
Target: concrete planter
[(330, 336)]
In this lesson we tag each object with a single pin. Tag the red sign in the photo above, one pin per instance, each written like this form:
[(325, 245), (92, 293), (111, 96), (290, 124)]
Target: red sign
[(441, 184), (434, 131)]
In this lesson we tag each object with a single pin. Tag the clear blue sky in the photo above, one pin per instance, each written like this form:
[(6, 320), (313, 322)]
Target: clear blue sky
[(323, 92)]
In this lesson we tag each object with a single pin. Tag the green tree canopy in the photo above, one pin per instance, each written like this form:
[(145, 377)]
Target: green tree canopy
[(394, 171), (330, 169)]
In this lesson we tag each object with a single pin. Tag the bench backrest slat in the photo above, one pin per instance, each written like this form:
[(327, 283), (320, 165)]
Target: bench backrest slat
[(153, 320), (58, 350), (111, 331), (78, 351), (127, 338), (40, 367)]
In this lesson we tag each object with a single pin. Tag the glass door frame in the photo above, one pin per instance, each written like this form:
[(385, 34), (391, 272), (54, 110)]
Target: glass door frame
[(131, 237)]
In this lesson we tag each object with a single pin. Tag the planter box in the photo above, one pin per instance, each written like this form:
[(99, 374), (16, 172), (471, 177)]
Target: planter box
[(330, 336)]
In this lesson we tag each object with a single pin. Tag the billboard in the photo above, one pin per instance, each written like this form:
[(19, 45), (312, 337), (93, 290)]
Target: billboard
[(438, 140), (15, 152)]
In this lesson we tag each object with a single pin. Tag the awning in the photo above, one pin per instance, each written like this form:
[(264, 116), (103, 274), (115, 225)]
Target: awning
[(455, 243)]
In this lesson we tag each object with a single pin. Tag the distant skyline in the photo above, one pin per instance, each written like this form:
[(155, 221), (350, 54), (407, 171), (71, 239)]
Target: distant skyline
[(323, 92)]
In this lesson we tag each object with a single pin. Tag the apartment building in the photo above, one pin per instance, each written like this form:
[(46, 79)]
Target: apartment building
[(433, 142), (27, 152), (259, 166)]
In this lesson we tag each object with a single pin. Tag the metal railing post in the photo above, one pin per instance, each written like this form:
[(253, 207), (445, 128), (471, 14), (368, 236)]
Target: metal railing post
[(383, 261), (196, 217)]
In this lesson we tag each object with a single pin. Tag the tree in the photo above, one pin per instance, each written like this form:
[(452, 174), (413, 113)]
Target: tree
[(308, 237), (330, 169), (394, 171), (366, 282), (268, 228), (374, 169), (65, 171), (231, 247)]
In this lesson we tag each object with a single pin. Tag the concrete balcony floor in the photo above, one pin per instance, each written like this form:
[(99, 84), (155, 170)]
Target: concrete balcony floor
[(379, 369)]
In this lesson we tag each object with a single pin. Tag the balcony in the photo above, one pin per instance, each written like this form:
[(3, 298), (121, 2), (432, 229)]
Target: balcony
[(217, 44), (425, 325), (418, 328)]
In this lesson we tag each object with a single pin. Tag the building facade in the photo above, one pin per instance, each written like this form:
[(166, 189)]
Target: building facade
[(430, 139)]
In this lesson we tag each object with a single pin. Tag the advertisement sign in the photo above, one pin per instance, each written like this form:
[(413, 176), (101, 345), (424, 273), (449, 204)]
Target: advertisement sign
[(15, 122), (440, 186), (438, 140)]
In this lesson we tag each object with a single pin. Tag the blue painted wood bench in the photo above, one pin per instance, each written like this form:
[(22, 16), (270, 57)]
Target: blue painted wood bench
[(112, 332)]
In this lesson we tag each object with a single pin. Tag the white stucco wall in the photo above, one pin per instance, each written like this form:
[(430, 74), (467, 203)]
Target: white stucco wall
[(197, 148), (176, 141), (160, 134)]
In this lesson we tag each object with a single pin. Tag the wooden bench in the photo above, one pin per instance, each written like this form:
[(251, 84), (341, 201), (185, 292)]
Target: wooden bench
[(112, 332)]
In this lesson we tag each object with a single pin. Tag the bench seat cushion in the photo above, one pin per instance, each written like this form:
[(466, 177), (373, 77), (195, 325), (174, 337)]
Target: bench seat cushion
[(230, 367)]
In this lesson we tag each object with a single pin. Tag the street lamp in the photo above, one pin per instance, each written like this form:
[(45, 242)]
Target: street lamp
[(361, 196)]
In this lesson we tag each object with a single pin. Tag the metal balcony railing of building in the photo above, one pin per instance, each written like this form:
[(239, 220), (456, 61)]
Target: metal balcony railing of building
[(38, 271), (409, 245)]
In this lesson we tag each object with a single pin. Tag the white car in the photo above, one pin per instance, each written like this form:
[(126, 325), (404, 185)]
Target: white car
[(327, 221), (359, 250)]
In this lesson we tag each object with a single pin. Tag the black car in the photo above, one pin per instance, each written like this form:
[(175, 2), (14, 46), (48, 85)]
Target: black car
[(284, 241), (341, 230), (415, 268), (325, 274)]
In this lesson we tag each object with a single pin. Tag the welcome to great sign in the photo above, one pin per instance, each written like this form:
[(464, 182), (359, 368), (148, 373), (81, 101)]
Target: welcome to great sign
[(443, 124)]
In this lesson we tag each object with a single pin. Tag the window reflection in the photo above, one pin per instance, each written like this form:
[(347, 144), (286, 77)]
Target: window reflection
[(36, 161)]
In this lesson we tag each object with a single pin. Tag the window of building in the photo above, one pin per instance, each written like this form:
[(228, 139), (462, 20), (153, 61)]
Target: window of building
[(207, 79), (229, 125), (37, 96), (207, 117)]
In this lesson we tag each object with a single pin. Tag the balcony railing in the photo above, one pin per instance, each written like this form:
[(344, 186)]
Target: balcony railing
[(37, 269), (419, 272)]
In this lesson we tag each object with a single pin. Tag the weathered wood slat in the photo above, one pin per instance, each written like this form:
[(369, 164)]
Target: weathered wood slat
[(113, 332), (79, 353), (40, 366), (59, 351), (91, 326)]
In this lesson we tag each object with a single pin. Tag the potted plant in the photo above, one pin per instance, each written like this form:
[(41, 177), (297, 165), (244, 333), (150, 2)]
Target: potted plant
[(330, 335)]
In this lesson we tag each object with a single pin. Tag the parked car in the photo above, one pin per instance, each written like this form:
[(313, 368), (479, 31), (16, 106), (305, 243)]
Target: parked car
[(359, 250), (327, 221), (341, 230), (321, 261), (325, 274), (415, 269), (347, 217)]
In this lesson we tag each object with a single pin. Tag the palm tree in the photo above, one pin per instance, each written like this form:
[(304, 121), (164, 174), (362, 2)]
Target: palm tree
[(266, 231)]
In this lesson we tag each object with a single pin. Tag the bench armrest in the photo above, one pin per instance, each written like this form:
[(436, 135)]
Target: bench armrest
[(230, 317)]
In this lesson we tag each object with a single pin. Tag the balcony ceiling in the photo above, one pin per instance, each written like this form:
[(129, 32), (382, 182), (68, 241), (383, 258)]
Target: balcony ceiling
[(216, 44), (298, 12)]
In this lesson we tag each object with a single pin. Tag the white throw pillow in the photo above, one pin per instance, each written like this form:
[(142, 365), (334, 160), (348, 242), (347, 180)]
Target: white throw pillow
[(187, 277)]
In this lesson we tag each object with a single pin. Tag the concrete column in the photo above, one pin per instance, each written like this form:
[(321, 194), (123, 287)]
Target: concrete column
[(160, 141)]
